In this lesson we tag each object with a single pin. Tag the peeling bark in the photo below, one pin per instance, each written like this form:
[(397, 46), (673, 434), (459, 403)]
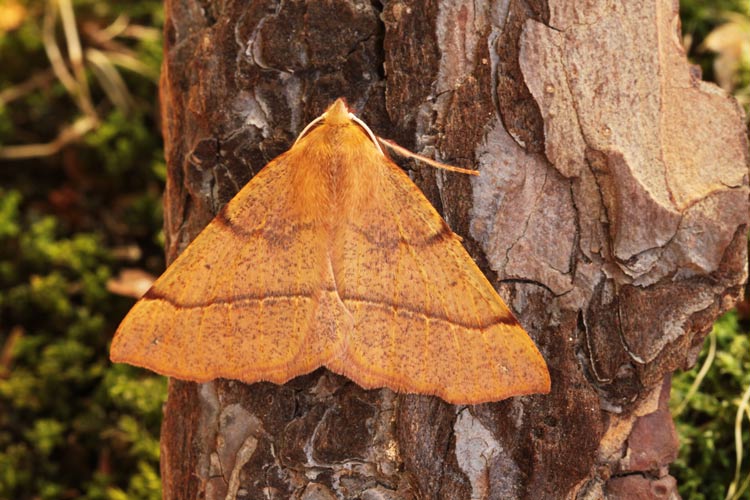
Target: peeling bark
[(611, 213)]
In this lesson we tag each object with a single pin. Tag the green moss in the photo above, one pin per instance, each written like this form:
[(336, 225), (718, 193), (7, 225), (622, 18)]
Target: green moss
[(62, 388), (706, 417), (45, 435), (9, 215), (72, 424)]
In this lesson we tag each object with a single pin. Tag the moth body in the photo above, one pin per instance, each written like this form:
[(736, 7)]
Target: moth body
[(331, 256)]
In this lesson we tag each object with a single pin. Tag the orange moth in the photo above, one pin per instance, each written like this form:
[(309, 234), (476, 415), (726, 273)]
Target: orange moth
[(332, 257)]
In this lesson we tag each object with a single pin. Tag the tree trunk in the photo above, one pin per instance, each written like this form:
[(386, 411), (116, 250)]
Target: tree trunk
[(611, 214)]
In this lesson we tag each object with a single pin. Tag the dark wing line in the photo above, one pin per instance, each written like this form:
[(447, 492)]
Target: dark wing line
[(261, 230), (155, 295), (415, 311), (434, 238)]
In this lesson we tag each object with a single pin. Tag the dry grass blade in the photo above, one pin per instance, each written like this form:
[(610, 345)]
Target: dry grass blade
[(71, 84), (127, 61), (117, 27), (110, 80), (72, 73), (75, 53), (139, 32), (53, 51), (6, 353), (701, 375), (118, 54), (40, 79), (735, 491), (69, 134)]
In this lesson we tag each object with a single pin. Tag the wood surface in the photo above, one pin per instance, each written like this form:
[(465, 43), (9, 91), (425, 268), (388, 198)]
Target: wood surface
[(610, 214)]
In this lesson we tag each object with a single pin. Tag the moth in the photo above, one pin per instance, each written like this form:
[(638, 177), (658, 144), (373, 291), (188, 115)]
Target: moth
[(331, 256)]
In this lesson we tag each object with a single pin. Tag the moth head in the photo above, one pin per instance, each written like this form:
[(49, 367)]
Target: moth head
[(338, 115)]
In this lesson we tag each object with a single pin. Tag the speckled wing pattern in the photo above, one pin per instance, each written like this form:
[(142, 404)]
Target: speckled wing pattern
[(241, 299), (332, 257), (426, 320)]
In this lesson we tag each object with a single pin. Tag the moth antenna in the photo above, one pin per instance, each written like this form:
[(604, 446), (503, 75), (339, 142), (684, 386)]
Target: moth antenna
[(309, 126), (373, 137), (410, 154)]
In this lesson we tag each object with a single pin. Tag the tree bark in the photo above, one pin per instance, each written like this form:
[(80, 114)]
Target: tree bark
[(611, 214)]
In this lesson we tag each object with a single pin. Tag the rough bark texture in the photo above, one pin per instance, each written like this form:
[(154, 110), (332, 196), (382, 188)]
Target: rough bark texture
[(611, 213)]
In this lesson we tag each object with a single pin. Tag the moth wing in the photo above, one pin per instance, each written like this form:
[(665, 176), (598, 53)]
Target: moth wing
[(243, 300), (426, 319)]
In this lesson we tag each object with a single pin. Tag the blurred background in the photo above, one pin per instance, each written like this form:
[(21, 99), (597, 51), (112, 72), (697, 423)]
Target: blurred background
[(81, 177)]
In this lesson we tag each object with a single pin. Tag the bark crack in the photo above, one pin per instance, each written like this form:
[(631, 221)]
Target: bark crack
[(532, 211)]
